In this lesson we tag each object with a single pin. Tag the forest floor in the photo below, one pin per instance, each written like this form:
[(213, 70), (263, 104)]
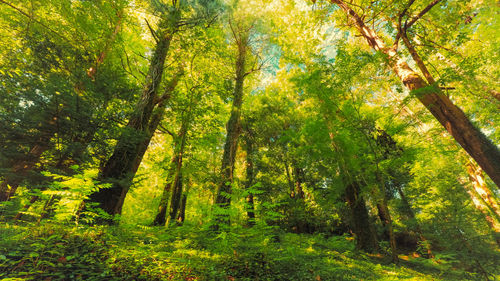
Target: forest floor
[(62, 252)]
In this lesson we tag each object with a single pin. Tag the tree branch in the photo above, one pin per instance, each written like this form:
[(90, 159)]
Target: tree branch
[(423, 12)]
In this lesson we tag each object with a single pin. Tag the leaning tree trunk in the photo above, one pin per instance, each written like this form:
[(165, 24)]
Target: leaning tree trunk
[(223, 192), (360, 219), (484, 200), (121, 167), (452, 118)]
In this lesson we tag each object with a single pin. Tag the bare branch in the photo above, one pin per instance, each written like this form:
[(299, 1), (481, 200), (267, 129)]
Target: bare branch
[(155, 36)]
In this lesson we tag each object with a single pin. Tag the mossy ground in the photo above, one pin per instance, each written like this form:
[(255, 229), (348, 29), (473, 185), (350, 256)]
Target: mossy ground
[(60, 252)]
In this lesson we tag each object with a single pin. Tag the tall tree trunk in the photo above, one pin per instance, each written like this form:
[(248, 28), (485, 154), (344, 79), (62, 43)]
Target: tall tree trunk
[(172, 192), (122, 166), (361, 225), (175, 200), (182, 209), (289, 179), (223, 192), (250, 208), (299, 180), (452, 118), (161, 215)]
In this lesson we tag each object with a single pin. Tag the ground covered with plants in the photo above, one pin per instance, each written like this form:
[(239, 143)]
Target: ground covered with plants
[(55, 252)]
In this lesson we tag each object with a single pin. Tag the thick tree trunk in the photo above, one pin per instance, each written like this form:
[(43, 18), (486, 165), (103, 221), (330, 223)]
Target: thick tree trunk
[(223, 192), (452, 118), (122, 166), (361, 225)]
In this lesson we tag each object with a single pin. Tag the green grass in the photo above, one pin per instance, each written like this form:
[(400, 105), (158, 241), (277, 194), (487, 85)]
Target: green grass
[(58, 252)]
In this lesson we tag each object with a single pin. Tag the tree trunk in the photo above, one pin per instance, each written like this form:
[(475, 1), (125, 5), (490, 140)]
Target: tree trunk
[(161, 216), (182, 209), (173, 187), (411, 215), (484, 200), (250, 208), (452, 118), (299, 179), (361, 225), (223, 192), (122, 166)]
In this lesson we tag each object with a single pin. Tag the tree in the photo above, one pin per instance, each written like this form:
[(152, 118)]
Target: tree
[(452, 118)]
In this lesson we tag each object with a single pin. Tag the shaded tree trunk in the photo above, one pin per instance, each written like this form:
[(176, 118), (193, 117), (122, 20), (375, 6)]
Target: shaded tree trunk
[(122, 166), (250, 208), (411, 215), (172, 193), (299, 180), (452, 118), (360, 219), (223, 192), (182, 209)]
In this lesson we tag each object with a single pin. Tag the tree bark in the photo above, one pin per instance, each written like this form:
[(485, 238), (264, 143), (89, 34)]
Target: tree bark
[(360, 220), (223, 192), (250, 208), (484, 200), (452, 118), (173, 186), (122, 166)]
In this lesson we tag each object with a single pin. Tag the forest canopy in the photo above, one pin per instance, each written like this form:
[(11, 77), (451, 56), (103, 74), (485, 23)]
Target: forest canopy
[(249, 140)]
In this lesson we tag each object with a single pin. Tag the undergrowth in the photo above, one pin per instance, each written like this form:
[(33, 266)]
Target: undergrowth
[(59, 252)]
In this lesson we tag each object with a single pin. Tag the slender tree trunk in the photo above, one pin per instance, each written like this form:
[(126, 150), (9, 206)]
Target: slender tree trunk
[(361, 225), (182, 209), (223, 192), (172, 193), (299, 179), (289, 179), (452, 118), (161, 216), (121, 167), (250, 208)]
